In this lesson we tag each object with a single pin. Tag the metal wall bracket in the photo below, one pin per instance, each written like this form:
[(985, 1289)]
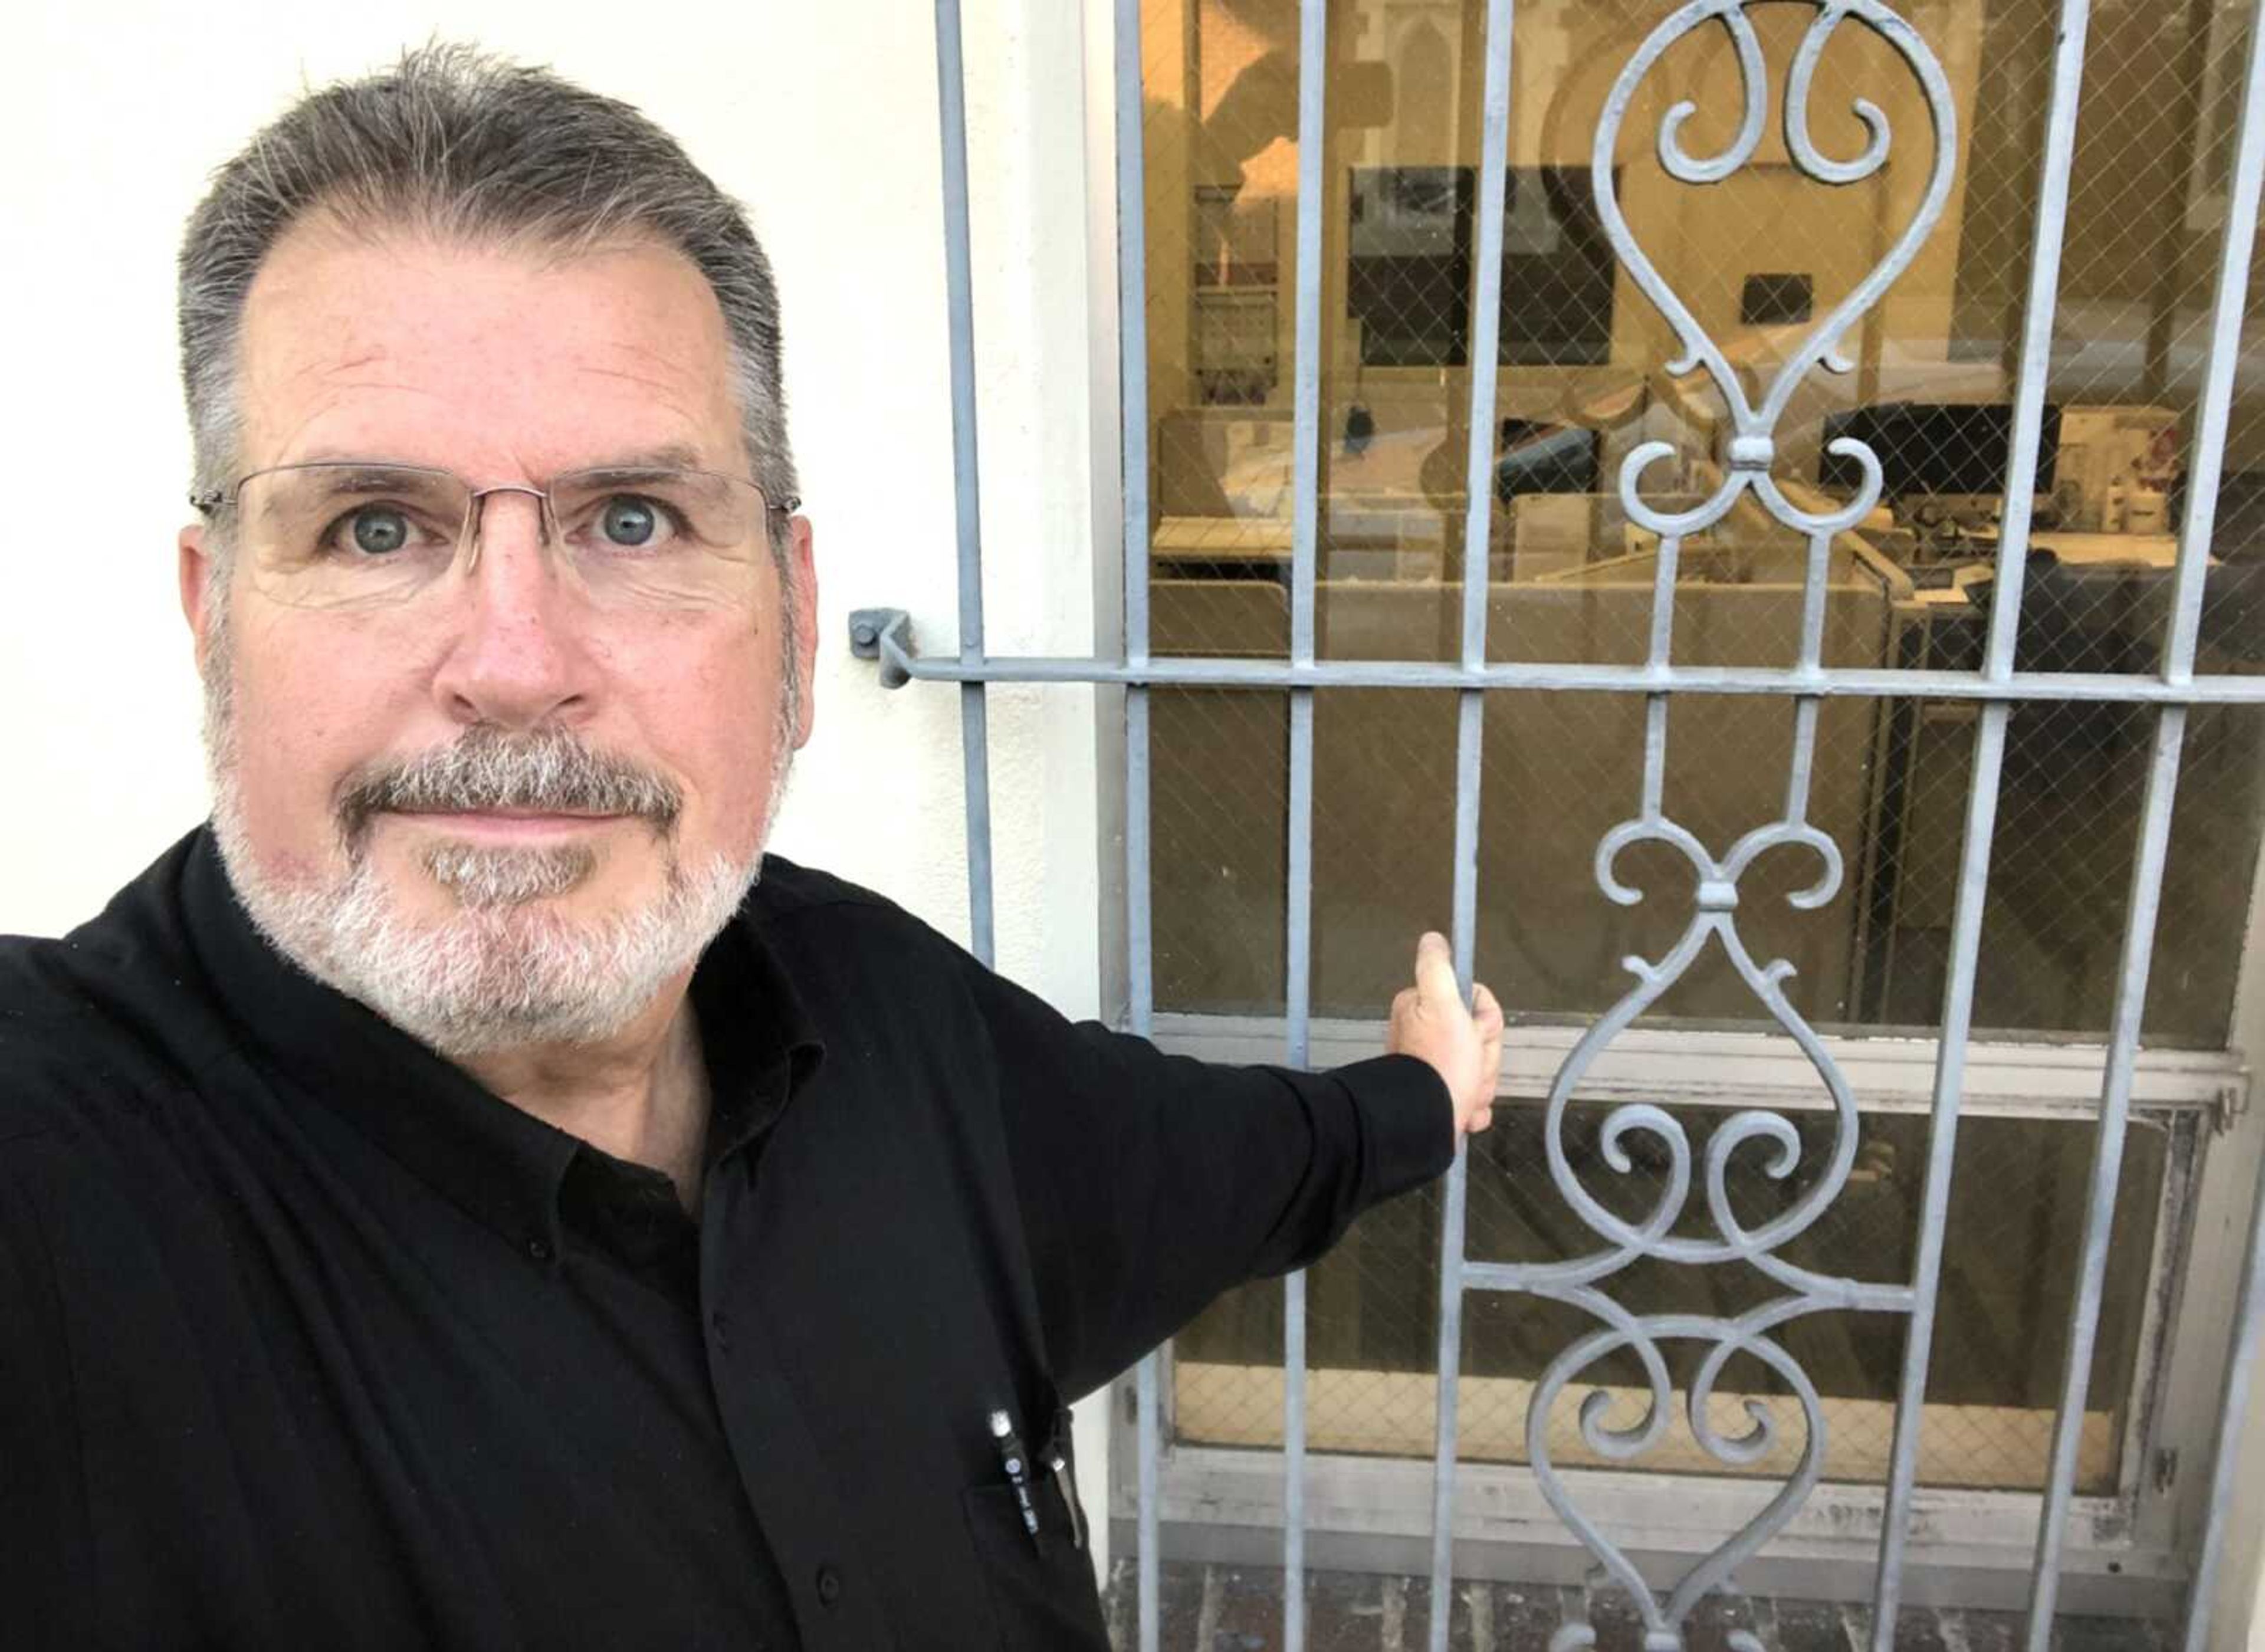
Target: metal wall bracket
[(884, 634), (2230, 1107)]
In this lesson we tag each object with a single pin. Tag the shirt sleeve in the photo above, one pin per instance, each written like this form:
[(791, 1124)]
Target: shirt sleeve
[(1149, 1183), (41, 1510)]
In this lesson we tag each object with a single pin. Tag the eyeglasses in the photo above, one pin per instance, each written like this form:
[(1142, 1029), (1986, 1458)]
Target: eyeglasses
[(351, 534)]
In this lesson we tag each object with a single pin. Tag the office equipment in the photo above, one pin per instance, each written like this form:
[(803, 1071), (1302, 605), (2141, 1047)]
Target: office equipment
[(1409, 258), (1933, 448), (1776, 301), (2100, 446)]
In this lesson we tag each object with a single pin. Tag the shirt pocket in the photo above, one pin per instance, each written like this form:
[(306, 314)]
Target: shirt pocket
[(1042, 1588)]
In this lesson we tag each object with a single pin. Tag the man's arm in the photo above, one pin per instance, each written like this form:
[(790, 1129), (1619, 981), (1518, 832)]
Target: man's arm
[(1149, 1183)]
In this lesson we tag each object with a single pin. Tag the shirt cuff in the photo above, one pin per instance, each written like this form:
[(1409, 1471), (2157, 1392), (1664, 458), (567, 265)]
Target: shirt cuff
[(1407, 1118)]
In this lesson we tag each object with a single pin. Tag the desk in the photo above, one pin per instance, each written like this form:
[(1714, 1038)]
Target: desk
[(1383, 538), (1261, 539), (2100, 551)]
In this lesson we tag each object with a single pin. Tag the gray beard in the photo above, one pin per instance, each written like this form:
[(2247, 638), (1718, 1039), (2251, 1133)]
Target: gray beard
[(501, 969)]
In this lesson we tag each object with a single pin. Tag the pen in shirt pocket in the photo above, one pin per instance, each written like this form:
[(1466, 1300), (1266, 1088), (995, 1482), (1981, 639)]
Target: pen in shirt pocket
[(1017, 1462), (1058, 1462)]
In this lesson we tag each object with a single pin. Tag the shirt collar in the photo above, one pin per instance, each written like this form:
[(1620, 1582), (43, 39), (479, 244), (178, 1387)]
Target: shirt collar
[(501, 1166)]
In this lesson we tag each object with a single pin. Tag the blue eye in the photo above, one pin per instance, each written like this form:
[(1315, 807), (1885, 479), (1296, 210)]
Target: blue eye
[(628, 521), (380, 530)]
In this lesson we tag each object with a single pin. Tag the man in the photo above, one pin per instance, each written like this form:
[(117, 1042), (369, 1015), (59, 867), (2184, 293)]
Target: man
[(452, 1200)]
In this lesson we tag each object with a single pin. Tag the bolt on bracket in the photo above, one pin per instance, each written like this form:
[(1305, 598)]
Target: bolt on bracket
[(882, 635)]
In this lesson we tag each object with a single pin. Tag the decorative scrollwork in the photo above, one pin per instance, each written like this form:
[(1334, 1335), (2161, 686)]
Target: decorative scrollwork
[(1641, 1337), (1714, 890)]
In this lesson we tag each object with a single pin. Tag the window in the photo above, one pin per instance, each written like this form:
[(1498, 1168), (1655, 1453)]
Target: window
[(1571, 577)]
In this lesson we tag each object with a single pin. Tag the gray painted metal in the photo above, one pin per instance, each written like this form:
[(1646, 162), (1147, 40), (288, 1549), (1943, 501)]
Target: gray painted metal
[(1140, 1009), (2107, 1164), (2241, 1372), (886, 635), (1750, 452), (1305, 388), (1470, 733), (1981, 806), (959, 297), (896, 651), (1312, 146), (2229, 306), (2242, 206)]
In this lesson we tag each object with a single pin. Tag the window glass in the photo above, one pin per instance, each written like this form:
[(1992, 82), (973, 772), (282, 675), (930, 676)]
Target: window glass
[(1584, 378)]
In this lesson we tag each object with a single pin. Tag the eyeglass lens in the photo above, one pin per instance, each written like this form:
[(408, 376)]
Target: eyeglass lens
[(344, 536)]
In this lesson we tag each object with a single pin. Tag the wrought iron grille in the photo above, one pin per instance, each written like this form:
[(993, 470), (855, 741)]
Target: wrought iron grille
[(1681, 1197)]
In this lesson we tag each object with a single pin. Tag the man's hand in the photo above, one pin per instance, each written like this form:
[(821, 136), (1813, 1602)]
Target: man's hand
[(1464, 1046)]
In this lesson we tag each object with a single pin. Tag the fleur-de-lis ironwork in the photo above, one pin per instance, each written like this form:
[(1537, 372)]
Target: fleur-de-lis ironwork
[(1749, 453)]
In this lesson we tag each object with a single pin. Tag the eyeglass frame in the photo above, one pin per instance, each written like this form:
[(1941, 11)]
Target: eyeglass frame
[(212, 502)]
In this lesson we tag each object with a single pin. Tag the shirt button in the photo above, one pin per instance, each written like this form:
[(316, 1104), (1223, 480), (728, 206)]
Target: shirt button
[(538, 1247), (829, 1585)]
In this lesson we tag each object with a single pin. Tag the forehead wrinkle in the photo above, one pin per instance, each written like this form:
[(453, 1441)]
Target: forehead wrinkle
[(660, 377), (665, 387), (375, 353)]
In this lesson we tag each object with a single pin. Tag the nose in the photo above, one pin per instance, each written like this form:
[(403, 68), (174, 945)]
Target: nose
[(516, 656)]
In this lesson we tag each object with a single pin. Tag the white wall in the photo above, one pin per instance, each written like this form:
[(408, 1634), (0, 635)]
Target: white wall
[(822, 119)]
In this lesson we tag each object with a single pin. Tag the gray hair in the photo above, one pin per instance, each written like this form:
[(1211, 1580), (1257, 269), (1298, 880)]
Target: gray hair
[(460, 142)]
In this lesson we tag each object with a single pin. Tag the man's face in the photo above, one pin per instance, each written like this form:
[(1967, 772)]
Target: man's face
[(504, 366)]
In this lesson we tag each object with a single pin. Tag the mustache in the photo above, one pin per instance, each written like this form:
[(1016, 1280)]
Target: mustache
[(489, 767)]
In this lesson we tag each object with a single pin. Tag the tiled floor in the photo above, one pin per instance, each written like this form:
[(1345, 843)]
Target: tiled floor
[(1229, 1609)]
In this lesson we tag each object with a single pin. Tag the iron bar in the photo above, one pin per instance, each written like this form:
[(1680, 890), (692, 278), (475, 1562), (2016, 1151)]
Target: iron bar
[(1470, 731), (2107, 1166), (1133, 347), (1141, 1017), (1942, 1138), (1838, 682), (2229, 303), (1147, 1444), (1455, 1204), (959, 302), (1486, 330), (1305, 373), (1299, 993), (1132, 383), (2036, 335), (1973, 897), (2213, 408), (2241, 1371), (1305, 413)]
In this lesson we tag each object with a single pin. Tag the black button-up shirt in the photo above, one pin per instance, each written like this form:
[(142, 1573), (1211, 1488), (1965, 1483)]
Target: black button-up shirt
[(307, 1339)]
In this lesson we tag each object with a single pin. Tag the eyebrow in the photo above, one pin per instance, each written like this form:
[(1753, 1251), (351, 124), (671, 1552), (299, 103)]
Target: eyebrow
[(367, 476), (653, 461), (637, 462), (669, 456)]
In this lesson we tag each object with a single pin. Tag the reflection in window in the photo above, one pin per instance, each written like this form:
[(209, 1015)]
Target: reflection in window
[(1583, 383), (1408, 273)]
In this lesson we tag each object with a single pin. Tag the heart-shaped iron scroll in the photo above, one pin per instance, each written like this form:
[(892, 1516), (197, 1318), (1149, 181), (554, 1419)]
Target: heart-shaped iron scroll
[(1750, 452)]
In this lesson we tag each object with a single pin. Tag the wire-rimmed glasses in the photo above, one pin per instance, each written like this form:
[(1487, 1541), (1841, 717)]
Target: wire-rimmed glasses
[(351, 534)]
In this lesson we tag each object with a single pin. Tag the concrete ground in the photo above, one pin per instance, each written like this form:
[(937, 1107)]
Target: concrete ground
[(1239, 1609)]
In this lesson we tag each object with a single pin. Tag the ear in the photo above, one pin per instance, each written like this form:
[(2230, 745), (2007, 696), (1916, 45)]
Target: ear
[(194, 572), (804, 563)]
